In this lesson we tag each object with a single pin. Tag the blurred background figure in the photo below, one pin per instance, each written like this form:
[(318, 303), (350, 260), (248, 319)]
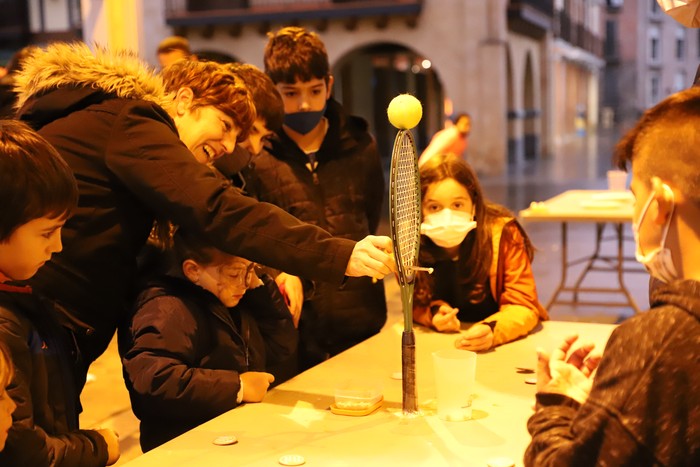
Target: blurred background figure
[(452, 140), (172, 49), (8, 97)]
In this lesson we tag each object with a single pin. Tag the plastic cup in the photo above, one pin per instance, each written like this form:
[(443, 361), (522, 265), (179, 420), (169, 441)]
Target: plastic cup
[(617, 180), (454, 383)]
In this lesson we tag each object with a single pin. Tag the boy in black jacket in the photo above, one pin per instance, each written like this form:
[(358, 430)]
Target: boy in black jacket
[(39, 192), (196, 346), (642, 405)]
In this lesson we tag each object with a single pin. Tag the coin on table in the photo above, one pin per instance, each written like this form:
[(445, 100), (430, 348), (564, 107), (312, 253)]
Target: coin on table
[(225, 440), (531, 381), (292, 459), (397, 375)]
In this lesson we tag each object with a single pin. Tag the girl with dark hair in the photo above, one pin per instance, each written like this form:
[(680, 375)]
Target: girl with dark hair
[(481, 258)]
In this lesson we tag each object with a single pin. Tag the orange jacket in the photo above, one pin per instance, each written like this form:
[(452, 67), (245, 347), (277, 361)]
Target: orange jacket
[(512, 285)]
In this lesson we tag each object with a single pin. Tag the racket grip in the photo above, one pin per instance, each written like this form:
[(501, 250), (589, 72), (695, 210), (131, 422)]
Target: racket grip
[(408, 372)]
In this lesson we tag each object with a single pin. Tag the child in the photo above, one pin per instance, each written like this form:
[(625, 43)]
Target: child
[(196, 346), (481, 257), (39, 192), (7, 405), (642, 405), (323, 167)]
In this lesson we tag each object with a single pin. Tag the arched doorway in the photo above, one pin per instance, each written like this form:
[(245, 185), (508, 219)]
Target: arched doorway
[(367, 78)]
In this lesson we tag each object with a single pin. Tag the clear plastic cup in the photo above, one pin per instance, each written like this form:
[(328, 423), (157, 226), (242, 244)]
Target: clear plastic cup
[(617, 180), (455, 370)]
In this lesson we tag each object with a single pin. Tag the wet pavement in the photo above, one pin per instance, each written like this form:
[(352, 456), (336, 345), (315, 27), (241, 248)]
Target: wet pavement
[(580, 163)]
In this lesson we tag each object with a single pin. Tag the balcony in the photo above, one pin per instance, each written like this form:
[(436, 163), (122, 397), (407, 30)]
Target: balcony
[(530, 17), (207, 14), (578, 35)]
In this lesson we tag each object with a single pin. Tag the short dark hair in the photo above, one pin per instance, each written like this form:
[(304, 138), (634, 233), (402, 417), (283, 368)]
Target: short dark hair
[(665, 143), (293, 53), (174, 43), (267, 99), (213, 84), (35, 181)]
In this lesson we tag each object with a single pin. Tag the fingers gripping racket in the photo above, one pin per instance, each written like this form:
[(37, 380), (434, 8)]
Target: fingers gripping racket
[(404, 217)]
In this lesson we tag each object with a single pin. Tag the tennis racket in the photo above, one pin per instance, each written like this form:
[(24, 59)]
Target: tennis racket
[(405, 218)]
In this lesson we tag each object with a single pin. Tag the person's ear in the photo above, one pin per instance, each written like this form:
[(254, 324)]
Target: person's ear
[(183, 100), (665, 200), (329, 87), (191, 270)]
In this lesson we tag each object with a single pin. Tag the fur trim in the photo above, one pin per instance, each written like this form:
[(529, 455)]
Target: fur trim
[(120, 73)]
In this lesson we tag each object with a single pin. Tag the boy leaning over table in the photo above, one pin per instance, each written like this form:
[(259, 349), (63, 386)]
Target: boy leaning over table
[(640, 403)]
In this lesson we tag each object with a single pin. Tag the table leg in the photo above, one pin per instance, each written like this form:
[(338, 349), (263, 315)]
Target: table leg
[(591, 261), (564, 266), (620, 268)]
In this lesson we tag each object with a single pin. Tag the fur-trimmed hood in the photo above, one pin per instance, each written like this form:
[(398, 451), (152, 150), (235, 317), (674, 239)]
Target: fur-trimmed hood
[(61, 65)]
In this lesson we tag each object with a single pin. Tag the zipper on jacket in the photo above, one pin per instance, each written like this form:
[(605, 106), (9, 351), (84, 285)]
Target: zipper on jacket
[(312, 165)]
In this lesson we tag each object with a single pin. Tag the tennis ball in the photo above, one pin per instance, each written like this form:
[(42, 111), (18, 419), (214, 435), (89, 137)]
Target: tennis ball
[(404, 111)]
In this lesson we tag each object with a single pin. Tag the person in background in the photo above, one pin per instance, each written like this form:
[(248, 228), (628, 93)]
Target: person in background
[(172, 49), (201, 339), (7, 404), (140, 146), (323, 167), (639, 404), (451, 140), (481, 258), (40, 193)]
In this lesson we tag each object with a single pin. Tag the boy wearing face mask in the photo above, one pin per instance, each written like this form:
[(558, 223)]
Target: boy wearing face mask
[(201, 340), (642, 405), (481, 258), (323, 167)]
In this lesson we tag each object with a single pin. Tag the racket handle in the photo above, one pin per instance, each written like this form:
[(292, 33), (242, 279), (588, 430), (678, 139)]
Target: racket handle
[(408, 372)]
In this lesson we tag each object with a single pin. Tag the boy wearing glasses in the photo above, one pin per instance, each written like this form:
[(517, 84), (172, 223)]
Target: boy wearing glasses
[(201, 337)]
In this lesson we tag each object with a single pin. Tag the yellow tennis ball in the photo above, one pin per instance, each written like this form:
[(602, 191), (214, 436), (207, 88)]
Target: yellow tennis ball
[(404, 111)]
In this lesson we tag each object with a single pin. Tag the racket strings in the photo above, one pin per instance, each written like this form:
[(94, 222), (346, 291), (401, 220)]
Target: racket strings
[(406, 204)]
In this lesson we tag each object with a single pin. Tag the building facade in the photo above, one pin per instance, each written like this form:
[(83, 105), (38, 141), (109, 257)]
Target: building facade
[(526, 70)]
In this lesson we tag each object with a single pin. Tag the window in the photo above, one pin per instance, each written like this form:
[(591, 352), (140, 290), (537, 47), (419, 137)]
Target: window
[(680, 43), (654, 44), (610, 44), (654, 89), (679, 82)]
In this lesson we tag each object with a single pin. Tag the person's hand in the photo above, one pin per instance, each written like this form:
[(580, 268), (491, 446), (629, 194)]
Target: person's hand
[(293, 292), (476, 338), (569, 376), (445, 320), (112, 439), (255, 384), (371, 257)]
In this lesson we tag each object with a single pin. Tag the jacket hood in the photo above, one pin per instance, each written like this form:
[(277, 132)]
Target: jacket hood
[(73, 65), (683, 294)]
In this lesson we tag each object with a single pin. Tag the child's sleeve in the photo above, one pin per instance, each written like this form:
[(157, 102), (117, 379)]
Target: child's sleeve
[(28, 444), (519, 309), (273, 319), (161, 364)]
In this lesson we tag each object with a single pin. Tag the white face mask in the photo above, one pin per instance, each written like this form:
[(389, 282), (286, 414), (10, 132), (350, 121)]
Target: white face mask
[(686, 12), (447, 228), (658, 262)]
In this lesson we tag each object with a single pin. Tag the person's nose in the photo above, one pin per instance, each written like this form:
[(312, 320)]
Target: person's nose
[(56, 245), (229, 142)]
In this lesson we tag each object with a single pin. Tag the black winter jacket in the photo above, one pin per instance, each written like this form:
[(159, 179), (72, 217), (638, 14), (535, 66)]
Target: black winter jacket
[(185, 351), (644, 407), (132, 167), (45, 424), (343, 194)]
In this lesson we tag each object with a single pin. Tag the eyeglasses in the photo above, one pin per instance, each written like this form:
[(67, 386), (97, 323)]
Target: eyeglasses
[(238, 274)]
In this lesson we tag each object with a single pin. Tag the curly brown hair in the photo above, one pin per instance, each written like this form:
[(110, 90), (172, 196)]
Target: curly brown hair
[(215, 85)]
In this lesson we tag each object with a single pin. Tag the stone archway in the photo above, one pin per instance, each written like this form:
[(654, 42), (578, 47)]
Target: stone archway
[(368, 77)]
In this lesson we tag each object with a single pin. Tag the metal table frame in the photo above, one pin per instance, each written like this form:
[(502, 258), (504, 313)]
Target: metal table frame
[(566, 208)]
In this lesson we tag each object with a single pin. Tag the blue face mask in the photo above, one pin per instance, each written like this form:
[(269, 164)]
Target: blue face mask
[(304, 122)]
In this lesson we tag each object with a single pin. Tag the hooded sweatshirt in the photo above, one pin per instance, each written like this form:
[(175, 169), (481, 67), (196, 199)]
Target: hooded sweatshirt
[(104, 114), (644, 406)]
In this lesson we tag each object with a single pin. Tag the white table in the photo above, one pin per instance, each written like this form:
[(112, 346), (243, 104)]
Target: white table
[(600, 207), (294, 417)]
